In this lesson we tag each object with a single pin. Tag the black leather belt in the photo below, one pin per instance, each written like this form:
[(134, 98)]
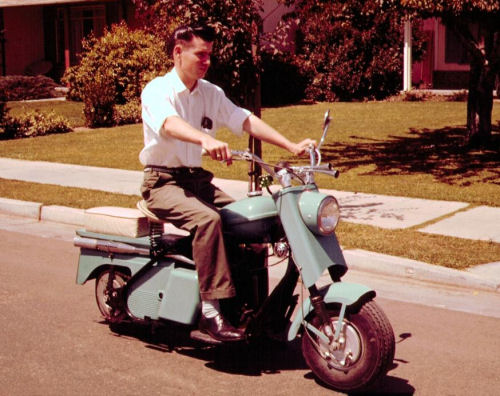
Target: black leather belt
[(181, 170)]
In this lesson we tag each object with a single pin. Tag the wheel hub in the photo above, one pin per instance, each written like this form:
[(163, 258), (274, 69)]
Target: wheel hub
[(344, 352)]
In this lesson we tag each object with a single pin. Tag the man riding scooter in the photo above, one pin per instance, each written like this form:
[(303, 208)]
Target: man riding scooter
[(181, 113)]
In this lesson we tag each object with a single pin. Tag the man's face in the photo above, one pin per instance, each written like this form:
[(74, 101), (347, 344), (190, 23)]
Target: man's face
[(192, 60)]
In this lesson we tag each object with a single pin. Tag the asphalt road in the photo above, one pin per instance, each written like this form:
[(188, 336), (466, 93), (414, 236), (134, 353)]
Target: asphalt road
[(53, 341)]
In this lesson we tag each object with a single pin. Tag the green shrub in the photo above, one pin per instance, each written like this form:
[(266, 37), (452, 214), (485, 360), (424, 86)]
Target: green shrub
[(129, 113), (416, 96), (131, 57), (33, 124), (28, 87), (350, 49), (98, 99), (3, 112), (459, 96)]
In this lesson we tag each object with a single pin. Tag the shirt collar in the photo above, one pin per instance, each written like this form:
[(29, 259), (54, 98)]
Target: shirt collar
[(179, 86), (177, 83)]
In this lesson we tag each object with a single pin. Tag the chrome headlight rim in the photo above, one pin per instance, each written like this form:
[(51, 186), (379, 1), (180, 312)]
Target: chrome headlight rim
[(320, 212), (328, 227)]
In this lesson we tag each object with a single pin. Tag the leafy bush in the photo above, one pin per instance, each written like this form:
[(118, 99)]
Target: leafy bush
[(28, 87), (129, 113), (99, 99), (459, 96), (416, 96), (233, 67), (32, 124), (3, 111), (131, 57), (350, 49), (429, 96)]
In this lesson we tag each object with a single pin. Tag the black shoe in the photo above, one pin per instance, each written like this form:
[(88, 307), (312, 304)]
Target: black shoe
[(220, 329)]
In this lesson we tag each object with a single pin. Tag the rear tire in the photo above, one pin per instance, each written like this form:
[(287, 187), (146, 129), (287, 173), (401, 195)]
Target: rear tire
[(368, 350), (109, 300)]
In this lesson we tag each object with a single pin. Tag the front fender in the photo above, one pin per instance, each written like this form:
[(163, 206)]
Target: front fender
[(344, 293)]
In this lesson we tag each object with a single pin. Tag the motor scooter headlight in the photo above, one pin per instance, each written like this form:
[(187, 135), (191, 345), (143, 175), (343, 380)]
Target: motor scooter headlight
[(320, 212)]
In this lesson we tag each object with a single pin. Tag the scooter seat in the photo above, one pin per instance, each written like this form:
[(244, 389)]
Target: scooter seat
[(142, 206)]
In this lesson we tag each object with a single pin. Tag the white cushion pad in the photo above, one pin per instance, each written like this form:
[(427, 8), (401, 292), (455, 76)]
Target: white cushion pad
[(116, 221)]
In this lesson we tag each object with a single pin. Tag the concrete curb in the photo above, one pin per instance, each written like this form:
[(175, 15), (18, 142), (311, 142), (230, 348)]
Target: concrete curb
[(21, 208), (356, 259), (38, 211), (62, 214), (384, 264)]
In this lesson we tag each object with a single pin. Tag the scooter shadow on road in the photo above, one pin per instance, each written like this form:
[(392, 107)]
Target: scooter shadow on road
[(265, 356)]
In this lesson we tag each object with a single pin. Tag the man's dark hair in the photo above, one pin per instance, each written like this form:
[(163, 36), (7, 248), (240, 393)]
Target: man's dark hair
[(186, 33)]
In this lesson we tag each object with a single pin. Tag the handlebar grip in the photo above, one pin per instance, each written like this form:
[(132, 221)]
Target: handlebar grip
[(336, 173)]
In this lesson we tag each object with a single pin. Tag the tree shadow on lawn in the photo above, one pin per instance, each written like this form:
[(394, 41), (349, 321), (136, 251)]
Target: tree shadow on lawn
[(438, 152)]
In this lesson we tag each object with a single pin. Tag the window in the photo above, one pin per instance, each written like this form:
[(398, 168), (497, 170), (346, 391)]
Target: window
[(455, 51), (82, 22)]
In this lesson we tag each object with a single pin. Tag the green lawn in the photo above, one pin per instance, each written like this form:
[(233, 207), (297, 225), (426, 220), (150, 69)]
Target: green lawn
[(397, 148)]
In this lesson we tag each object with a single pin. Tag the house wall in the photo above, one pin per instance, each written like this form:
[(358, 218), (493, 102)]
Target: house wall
[(272, 13), (434, 71), (24, 38), (447, 75), (440, 45)]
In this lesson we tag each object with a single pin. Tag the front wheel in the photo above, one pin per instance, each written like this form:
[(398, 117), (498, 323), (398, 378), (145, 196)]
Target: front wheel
[(363, 354)]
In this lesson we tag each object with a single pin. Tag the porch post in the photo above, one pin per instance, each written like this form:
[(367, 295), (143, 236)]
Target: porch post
[(2, 43), (407, 56), (67, 58)]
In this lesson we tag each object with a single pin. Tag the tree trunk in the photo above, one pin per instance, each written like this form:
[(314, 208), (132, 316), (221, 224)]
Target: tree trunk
[(479, 105), (483, 45)]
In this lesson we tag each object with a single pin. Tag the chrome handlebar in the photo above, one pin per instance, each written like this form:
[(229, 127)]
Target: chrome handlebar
[(300, 171), (303, 173)]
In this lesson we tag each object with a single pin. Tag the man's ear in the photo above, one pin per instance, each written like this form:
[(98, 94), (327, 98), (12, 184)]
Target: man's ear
[(177, 50)]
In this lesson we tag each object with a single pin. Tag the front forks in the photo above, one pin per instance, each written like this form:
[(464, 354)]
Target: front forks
[(319, 306), (332, 338)]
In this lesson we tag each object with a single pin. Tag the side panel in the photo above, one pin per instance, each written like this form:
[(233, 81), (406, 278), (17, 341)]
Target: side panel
[(181, 302), (165, 292), (340, 292)]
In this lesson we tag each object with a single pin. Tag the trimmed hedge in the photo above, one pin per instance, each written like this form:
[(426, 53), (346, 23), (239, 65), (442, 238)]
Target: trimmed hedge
[(28, 88), (33, 123)]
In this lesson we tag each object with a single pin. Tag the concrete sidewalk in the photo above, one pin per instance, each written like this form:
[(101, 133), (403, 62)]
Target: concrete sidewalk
[(438, 217)]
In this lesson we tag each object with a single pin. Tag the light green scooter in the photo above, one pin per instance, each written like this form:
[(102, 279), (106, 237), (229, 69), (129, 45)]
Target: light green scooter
[(347, 340)]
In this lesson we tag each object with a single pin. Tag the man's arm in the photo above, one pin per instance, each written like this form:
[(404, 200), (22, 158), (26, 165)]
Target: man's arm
[(260, 130), (177, 128)]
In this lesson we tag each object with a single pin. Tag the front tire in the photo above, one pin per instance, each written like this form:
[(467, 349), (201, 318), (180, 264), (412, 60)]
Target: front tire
[(365, 356)]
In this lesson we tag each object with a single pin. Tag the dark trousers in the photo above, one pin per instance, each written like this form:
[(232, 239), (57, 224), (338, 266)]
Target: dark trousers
[(189, 200)]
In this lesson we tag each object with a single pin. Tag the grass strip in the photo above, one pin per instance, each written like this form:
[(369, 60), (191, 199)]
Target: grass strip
[(445, 251), (49, 194), (451, 252)]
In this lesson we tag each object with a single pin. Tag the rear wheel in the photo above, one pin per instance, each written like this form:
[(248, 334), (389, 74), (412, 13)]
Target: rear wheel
[(364, 353), (108, 292)]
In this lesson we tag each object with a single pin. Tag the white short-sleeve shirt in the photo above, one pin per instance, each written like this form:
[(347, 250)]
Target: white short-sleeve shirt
[(168, 96)]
